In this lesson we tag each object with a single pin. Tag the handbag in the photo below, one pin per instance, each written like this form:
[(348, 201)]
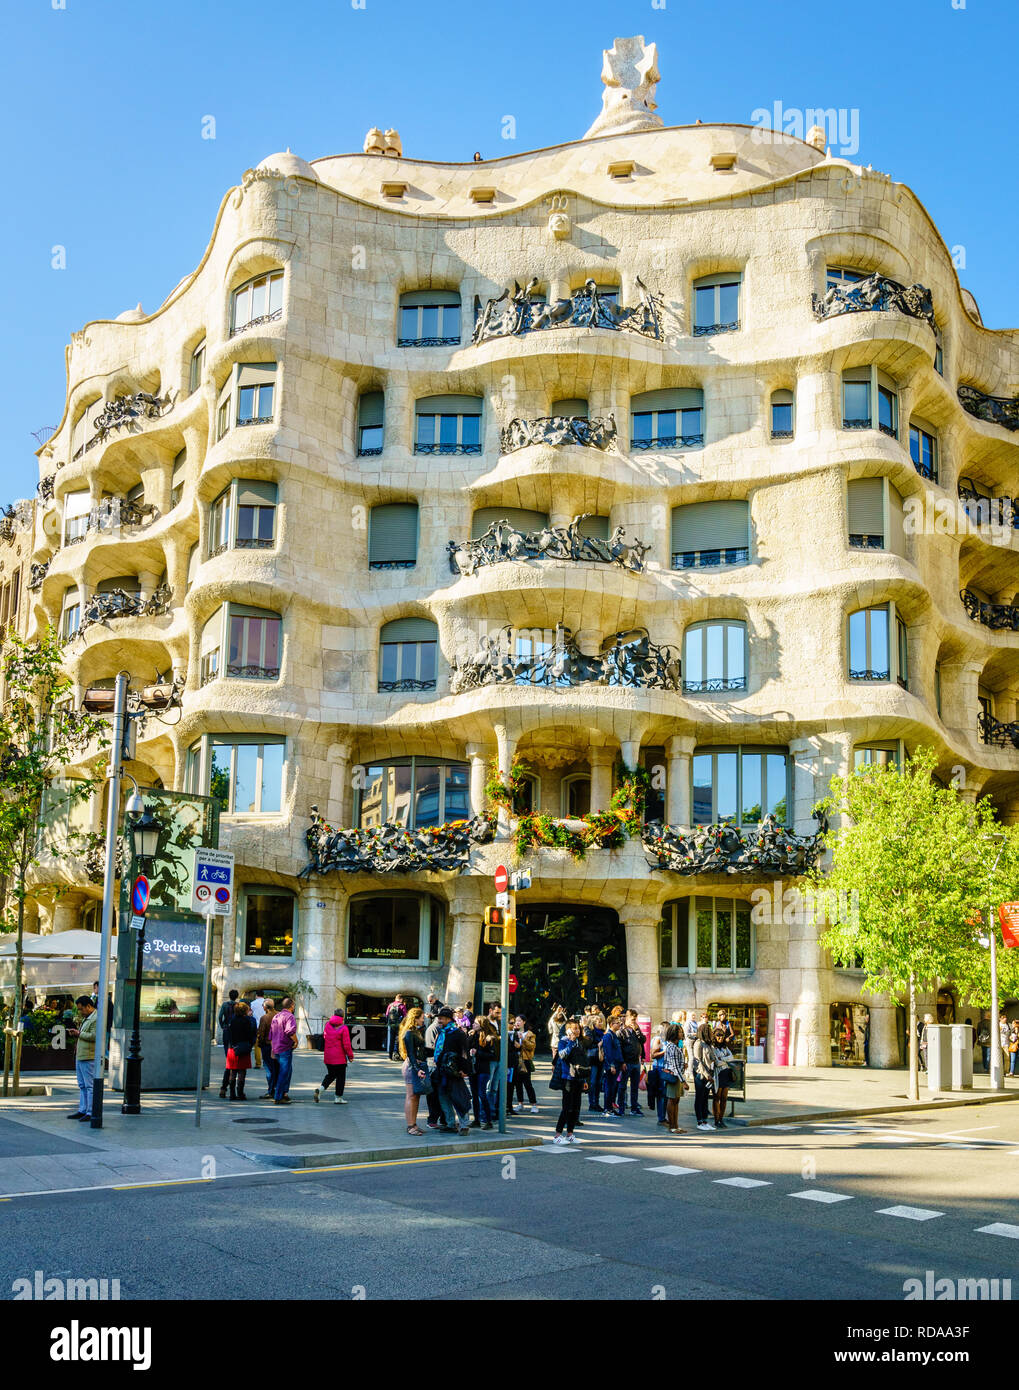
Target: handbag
[(642, 1083), (420, 1085), (556, 1079), (725, 1078)]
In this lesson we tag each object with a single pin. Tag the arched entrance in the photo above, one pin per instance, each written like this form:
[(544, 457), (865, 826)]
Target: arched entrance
[(567, 953)]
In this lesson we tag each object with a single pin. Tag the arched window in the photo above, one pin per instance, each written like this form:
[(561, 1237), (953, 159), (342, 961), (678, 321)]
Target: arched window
[(714, 657), (782, 414), (415, 792), (259, 300), (576, 793), (393, 536), (408, 653), (711, 533), (371, 409), (429, 318), (716, 303), (672, 419), (447, 425)]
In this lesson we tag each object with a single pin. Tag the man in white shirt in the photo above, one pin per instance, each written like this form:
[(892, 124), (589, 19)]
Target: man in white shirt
[(257, 1006)]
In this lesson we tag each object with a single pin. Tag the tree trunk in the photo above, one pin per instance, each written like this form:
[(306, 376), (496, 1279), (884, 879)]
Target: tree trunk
[(913, 1089), (19, 992)]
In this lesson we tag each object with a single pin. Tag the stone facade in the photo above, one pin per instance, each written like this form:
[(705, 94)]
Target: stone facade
[(651, 215)]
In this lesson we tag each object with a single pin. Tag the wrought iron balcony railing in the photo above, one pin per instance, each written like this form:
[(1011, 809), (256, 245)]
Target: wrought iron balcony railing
[(858, 541), (408, 683), (996, 733), (869, 674), (710, 559), (667, 441), (926, 470), (447, 449), (625, 659), (254, 543), (102, 608), (999, 512), (995, 410), (999, 617), (391, 564), (274, 317), (594, 433), (125, 413), (387, 849), (253, 672), (518, 310), (428, 342), (876, 292), (714, 686), (706, 330), (108, 516), (726, 849), (502, 542)]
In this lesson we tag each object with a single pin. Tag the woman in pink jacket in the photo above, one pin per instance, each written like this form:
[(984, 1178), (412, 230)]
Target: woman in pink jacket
[(338, 1052)]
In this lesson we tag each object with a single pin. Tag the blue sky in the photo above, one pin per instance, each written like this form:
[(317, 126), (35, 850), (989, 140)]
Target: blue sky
[(105, 101)]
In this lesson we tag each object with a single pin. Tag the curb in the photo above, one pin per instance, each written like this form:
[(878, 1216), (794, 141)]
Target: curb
[(943, 1102), (353, 1157)]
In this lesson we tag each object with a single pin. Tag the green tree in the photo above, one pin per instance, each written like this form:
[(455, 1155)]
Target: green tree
[(912, 860), (41, 737)]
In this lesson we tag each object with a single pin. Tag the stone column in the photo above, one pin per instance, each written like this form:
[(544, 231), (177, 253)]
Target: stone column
[(506, 743), (600, 761), (157, 483), (959, 704), (479, 776), (463, 956), (803, 980), (322, 909), (67, 911), (643, 989), (340, 803), (678, 751), (629, 751), (147, 582), (804, 755)]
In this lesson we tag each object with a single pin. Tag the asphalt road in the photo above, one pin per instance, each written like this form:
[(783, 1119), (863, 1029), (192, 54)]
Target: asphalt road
[(831, 1212)]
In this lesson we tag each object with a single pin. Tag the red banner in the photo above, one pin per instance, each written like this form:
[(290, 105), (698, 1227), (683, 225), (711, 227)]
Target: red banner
[(1008, 916)]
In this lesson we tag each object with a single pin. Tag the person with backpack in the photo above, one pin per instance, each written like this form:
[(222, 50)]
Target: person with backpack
[(570, 1075), (984, 1040), (225, 1015), (612, 1072), (336, 1053), (483, 1045), (631, 1042), (435, 1120), (452, 1063), (592, 1038), (239, 1039), (395, 1012)]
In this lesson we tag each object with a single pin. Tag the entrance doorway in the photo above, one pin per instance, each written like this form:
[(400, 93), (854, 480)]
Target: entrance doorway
[(849, 1026), (569, 954)]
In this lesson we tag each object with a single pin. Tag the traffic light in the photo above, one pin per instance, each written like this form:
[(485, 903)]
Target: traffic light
[(500, 927)]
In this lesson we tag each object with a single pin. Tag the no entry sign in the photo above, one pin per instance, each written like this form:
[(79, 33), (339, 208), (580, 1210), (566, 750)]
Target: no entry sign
[(1008, 916), (501, 879), (513, 982)]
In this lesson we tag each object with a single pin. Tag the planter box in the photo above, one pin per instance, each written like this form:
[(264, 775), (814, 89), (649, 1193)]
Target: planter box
[(47, 1059)]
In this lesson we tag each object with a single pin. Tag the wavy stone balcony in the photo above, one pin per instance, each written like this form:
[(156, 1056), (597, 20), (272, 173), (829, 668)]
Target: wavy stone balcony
[(128, 412), (502, 543), (996, 733), (994, 410), (108, 516), (102, 608), (876, 293), (999, 617), (625, 659)]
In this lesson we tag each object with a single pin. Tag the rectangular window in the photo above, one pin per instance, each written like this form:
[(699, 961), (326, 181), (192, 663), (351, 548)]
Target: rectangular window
[(197, 367), (887, 412), (255, 525), (781, 420), (223, 419), (219, 524), (869, 654), (716, 307), (268, 923), (705, 934), (418, 793), (448, 434), (407, 666), (72, 620), (666, 939), (385, 928), (246, 777), (254, 404), (856, 405), (254, 647), (739, 786), (429, 325), (923, 452)]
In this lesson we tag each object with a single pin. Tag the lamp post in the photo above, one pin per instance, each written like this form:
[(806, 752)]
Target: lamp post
[(997, 1064), (145, 842)]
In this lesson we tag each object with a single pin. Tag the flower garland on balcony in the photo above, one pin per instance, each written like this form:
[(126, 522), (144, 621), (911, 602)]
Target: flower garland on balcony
[(601, 829)]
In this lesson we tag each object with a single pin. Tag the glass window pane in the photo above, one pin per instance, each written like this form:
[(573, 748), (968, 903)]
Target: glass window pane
[(269, 924), (258, 298), (693, 422), (781, 419), (683, 935), (409, 323), (725, 794), (858, 640), (275, 293), (704, 307), (728, 303), (885, 408), (642, 425), (426, 794), (371, 437), (914, 443), (245, 777), (236, 640), (704, 936), (429, 321), (723, 939), (742, 939), (693, 664), (451, 321), (426, 660), (398, 807), (245, 523), (775, 795), (456, 805), (471, 435), (702, 788), (264, 401), (272, 627), (242, 311), (219, 774), (448, 429), (426, 429), (666, 425), (407, 928), (665, 940), (714, 635), (856, 400), (751, 788), (266, 522), (272, 778), (246, 403), (879, 640), (736, 653), (389, 657), (372, 809)]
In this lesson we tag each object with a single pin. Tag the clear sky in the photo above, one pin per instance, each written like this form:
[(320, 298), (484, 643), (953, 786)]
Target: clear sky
[(105, 101)]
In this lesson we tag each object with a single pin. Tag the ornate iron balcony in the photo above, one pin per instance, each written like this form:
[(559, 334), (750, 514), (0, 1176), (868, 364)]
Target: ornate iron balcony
[(368, 453), (519, 311), (988, 511), (254, 543), (996, 410), (254, 673), (994, 732), (44, 487), (391, 564), (447, 449), (256, 323), (118, 603), (625, 659), (855, 424), (724, 849), (387, 849), (668, 441), (110, 515), (781, 434), (706, 330), (408, 683), (714, 686), (125, 412), (890, 430), (709, 559), (866, 674), (256, 420), (37, 574), (876, 292), (501, 542), (926, 470), (999, 617), (428, 342), (594, 433), (862, 542)]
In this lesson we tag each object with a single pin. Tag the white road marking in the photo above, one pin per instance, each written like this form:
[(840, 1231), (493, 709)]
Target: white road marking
[(910, 1213), (742, 1182), (609, 1158), (817, 1195), (673, 1170), (893, 1138), (999, 1228), (960, 1146)]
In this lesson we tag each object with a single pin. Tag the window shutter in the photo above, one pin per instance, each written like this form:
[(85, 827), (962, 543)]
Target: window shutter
[(245, 610), (597, 527), (256, 373), (866, 507), (180, 464), (724, 277), (394, 533), (856, 374), (570, 408), (77, 504), (371, 408), (448, 405), (896, 538), (413, 297), (675, 398), (781, 397), (212, 632), (517, 517), (252, 494), (710, 526), (409, 630)]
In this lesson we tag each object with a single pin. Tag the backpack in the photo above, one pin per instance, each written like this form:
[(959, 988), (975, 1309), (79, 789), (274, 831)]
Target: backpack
[(393, 1016)]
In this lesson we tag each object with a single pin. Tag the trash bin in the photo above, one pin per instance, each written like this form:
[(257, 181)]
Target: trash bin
[(962, 1056), (939, 1057)]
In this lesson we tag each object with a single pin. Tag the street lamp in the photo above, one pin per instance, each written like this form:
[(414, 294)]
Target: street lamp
[(144, 842), (997, 1066)]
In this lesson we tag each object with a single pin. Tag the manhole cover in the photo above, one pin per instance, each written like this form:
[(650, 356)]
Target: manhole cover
[(253, 1121)]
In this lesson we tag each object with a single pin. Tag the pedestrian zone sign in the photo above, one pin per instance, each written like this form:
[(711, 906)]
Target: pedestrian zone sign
[(213, 881)]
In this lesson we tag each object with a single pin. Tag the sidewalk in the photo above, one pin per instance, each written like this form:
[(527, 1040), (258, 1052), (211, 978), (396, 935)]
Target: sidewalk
[(42, 1151)]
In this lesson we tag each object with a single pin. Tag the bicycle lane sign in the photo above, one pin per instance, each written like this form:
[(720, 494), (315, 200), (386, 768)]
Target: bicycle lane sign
[(213, 880)]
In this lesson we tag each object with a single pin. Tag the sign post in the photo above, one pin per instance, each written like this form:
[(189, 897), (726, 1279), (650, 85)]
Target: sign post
[(132, 1104), (203, 1018)]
